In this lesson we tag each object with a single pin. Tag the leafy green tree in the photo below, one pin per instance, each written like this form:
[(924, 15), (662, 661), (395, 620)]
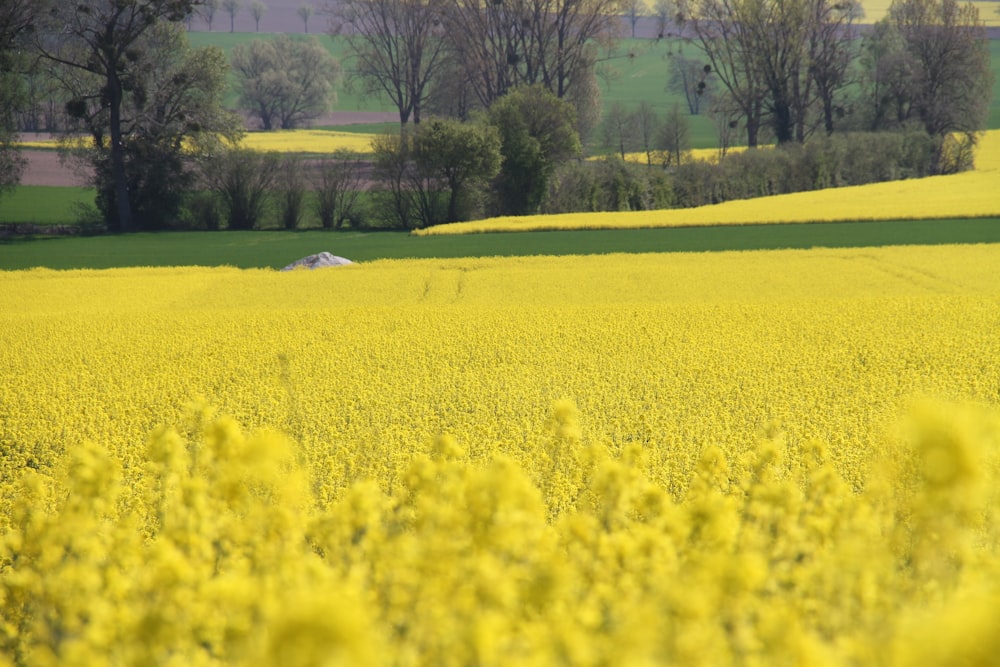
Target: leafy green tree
[(457, 160), (141, 93), (285, 81), (537, 133)]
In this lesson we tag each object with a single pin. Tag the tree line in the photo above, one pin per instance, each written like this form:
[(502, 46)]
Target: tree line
[(495, 99)]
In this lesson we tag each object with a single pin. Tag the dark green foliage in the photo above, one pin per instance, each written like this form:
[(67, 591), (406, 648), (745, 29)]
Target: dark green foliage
[(610, 184), (157, 178), (457, 161), (537, 133), (437, 172), (834, 161)]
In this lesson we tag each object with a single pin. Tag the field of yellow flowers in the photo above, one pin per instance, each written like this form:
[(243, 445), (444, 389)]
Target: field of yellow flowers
[(757, 458), (970, 194)]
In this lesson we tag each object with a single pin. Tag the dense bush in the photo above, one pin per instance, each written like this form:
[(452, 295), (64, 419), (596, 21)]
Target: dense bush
[(610, 184), (824, 162)]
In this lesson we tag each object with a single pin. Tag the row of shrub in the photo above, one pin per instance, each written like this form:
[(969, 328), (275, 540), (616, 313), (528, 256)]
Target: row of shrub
[(832, 161), (246, 189)]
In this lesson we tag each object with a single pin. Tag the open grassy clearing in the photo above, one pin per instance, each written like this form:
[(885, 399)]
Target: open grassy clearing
[(43, 205), (277, 249)]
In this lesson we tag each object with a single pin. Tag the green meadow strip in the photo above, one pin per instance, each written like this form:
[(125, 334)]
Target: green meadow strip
[(277, 249)]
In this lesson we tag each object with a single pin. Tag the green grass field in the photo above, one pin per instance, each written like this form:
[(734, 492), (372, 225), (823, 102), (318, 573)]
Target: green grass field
[(277, 249), (43, 205)]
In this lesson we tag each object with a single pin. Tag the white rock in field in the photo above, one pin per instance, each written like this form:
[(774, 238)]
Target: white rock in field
[(317, 261)]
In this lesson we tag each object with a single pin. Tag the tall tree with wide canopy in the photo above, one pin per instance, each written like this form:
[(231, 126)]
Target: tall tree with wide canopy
[(781, 62), (947, 51), (503, 44), (103, 41), (137, 90)]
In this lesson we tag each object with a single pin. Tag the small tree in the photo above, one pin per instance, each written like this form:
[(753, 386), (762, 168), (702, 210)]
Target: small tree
[(257, 10), (647, 124), (634, 10), (305, 13), (337, 186), (392, 169), (665, 12), (617, 130), (208, 9), (675, 136), (291, 191), (242, 178), (232, 8)]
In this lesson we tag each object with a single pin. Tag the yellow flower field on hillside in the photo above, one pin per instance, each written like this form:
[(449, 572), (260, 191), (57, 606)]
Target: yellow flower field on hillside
[(282, 141), (875, 10), (967, 195), (308, 141), (741, 458)]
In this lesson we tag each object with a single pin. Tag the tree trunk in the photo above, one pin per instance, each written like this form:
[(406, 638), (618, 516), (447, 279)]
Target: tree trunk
[(118, 155)]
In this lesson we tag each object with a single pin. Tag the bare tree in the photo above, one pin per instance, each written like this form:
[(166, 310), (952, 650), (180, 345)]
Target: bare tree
[(305, 12), (727, 43), (647, 124), (674, 138), (257, 10), (691, 78), (775, 58), (665, 12), (337, 185), (634, 10), (947, 46), (617, 130), (232, 7), (207, 9), (510, 43), (397, 48)]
